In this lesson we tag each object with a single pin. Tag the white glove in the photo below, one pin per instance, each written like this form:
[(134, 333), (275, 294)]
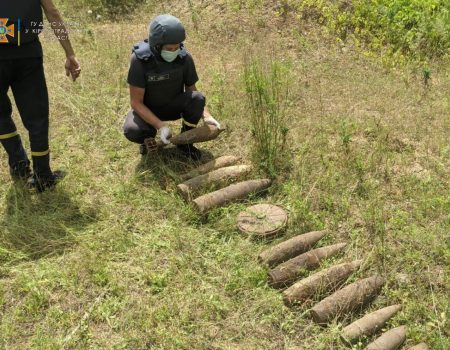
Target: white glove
[(165, 134), (211, 121)]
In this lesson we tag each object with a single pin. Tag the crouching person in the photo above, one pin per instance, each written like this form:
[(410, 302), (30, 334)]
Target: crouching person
[(162, 80)]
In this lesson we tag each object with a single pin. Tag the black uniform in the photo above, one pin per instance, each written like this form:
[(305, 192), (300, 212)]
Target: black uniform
[(165, 94), (21, 69)]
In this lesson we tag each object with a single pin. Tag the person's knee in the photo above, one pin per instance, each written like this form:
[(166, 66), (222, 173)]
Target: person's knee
[(133, 131), (198, 98), (194, 110)]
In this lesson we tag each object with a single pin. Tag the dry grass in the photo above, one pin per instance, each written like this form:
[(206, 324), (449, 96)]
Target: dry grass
[(371, 164)]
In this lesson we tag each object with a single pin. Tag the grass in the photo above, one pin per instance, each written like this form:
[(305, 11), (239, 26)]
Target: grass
[(114, 259), (267, 94)]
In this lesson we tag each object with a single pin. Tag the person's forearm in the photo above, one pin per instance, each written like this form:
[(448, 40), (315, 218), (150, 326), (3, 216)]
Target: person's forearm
[(206, 113), (61, 32), (145, 113)]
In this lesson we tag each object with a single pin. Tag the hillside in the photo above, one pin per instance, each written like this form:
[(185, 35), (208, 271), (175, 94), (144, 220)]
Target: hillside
[(115, 259)]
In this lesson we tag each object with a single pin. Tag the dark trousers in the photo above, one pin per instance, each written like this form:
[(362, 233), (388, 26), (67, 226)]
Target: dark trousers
[(189, 106), (26, 79)]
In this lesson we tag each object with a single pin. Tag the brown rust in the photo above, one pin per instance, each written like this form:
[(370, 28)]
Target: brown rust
[(421, 346), (214, 164), (291, 248), (347, 300), (391, 340), (230, 193), (369, 324), (289, 271), (218, 177), (319, 283), (201, 134)]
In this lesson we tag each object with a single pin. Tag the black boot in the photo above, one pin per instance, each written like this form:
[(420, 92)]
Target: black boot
[(21, 171), (45, 182), (190, 151), (143, 149)]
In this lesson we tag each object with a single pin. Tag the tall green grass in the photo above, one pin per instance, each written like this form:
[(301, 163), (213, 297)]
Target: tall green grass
[(267, 91)]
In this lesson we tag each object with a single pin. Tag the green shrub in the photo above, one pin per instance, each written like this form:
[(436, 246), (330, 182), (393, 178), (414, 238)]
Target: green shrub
[(267, 90), (419, 28)]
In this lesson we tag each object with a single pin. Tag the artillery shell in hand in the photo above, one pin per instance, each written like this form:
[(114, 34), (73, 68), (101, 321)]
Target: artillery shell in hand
[(201, 134)]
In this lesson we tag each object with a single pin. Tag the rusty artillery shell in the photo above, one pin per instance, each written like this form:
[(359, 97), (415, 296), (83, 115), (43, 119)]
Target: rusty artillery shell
[(230, 193), (289, 249), (421, 346), (391, 340), (219, 176), (369, 324), (347, 299), (201, 134), (320, 282), (289, 271), (214, 164)]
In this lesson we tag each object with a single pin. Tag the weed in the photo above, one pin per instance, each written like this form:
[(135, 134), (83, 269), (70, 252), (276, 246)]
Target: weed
[(267, 93)]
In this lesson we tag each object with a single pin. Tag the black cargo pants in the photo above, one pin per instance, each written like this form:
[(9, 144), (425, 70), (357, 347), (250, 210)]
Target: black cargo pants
[(26, 79), (189, 106)]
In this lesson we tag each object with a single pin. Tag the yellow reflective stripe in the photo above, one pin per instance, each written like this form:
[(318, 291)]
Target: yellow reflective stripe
[(189, 124), (8, 136), (40, 154)]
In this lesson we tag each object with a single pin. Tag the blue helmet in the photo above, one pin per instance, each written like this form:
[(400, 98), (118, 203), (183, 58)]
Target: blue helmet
[(166, 29)]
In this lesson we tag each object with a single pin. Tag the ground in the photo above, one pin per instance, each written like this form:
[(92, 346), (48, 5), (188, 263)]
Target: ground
[(115, 259)]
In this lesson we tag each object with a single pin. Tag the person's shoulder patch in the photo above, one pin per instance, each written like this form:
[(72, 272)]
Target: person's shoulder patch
[(142, 51)]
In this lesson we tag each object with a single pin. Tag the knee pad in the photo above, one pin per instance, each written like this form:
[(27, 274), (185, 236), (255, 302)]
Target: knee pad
[(198, 97)]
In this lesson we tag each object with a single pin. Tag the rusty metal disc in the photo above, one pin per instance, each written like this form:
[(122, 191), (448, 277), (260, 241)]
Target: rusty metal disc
[(264, 220)]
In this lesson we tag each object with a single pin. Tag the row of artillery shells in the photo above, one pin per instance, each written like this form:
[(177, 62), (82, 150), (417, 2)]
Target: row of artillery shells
[(214, 164), (288, 272), (230, 193), (373, 322), (320, 282), (369, 324), (217, 176), (219, 171), (346, 300), (391, 340), (289, 249)]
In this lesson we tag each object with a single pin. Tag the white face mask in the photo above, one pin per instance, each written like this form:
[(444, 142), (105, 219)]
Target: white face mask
[(170, 56)]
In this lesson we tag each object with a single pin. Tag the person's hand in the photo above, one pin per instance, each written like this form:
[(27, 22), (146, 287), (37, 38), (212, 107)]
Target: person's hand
[(211, 121), (165, 134), (72, 67)]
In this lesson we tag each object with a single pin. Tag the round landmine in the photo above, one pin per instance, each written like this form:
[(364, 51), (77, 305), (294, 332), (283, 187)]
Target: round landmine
[(262, 220)]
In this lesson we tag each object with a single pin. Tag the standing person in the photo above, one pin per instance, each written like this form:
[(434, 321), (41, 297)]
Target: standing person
[(22, 70), (162, 78)]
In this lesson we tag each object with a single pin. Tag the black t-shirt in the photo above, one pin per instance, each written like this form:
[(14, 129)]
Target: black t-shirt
[(28, 50), (162, 81), (21, 21)]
